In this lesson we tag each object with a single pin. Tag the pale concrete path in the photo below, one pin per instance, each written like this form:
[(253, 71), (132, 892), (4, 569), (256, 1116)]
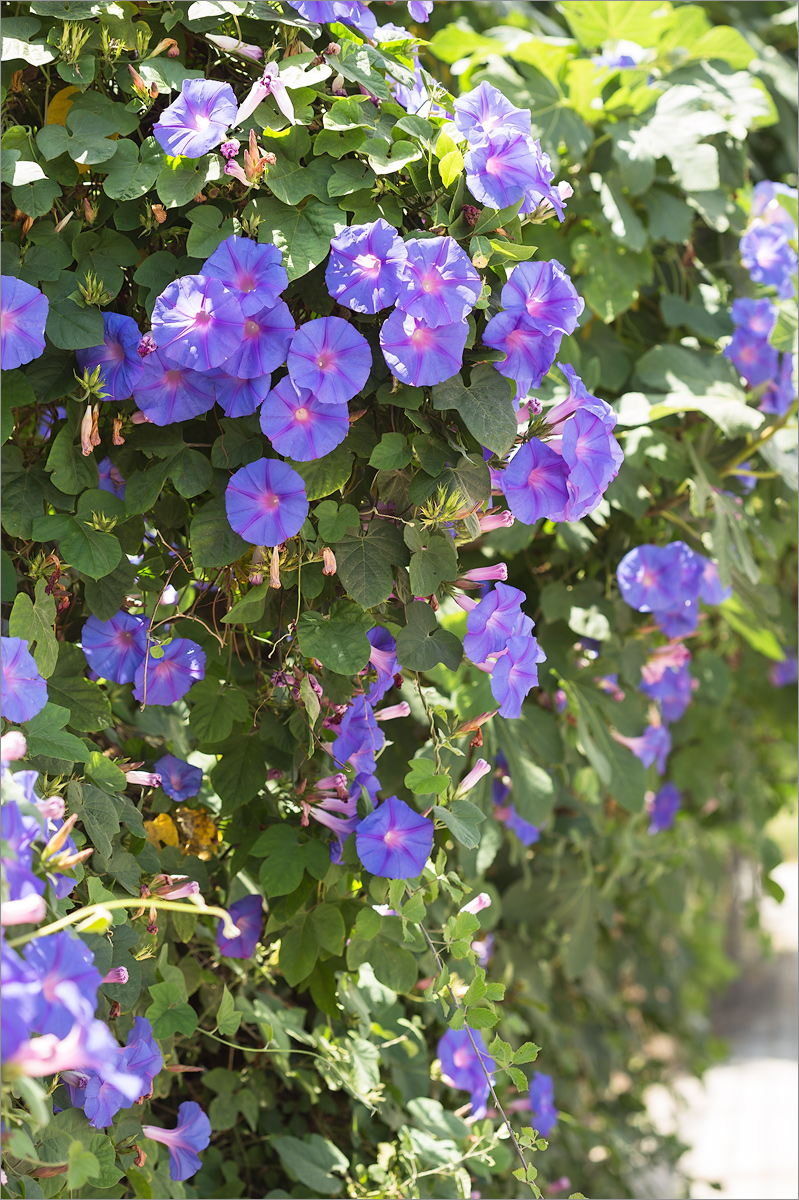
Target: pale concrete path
[(741, 1120)]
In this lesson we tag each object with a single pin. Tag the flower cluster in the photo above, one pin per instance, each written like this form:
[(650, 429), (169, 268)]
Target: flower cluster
[(504, 808), (766, 249), (24, 692), (499, 641), (669, 581), (119, 649), (23, 316)]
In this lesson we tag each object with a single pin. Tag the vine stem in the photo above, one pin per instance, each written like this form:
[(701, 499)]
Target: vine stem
[(457, 1004), (90, 910), (764, 437)]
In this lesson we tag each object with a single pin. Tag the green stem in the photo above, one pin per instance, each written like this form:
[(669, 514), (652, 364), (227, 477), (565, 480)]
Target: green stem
[(764, 437), (81, 914)]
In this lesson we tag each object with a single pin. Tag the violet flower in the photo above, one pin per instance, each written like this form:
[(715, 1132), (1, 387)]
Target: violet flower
[(546, 294), (110, 478), (516, 674), (239, 397), (659, 578), (118, 357), (484, 109), (179, 779), (233, 45), (529, 353), (593, 457), (68, 982), (654, 746), (542, 1103), (264, 342), (359, 739), (197, 322), (269, 84), (252, 268), (438, 283), (191, 1135), (419, 355), (462, 1067), (383, 657), (494, 619), (768, 256), (780, 392), (167, 393), (23, 316), (197, 121), (24, 692), (363, 270), (266, 502), (663, 808), (394, 841), (168, 677), (535, 483), (329, 358), (115, 648), (248, 917), (299, 426)]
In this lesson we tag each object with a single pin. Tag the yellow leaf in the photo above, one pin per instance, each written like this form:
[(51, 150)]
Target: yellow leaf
[(60, 105), (198, 833), (162, 831)]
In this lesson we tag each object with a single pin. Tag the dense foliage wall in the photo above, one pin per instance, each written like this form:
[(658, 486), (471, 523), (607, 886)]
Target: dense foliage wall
[(353, 374)]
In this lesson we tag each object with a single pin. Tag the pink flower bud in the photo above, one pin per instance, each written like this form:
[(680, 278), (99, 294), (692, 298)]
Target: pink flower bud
[(480, 768), (52, 809), (329, 561), (402, 709), (498, 571), (58, 840), (478, 904), (13, 746), (27, 911), (116, 975), (500, 520), (140, 418), (144, 778)]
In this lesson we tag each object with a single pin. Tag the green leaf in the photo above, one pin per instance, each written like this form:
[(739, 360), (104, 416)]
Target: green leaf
[(98, 814), (391, 453), (578, 952), (17, 392), (462, 820), (303, 235), (241, 772), (82, 1167), (422, 778), (284, 857), (596, 21), (433, 561), (250, 608), (322, 476), (215, 709), (312, 1161), (46, 735), (348, 176), (34, 621), (180, 180), (105, 773), (422, 644), (191, 473), (169, 1013), (620, 772), (357, 64), (89, 707), (613, 274), (104, 596), (485, 404), (93, 552), (451, 167), (534, 792), (339, 639), (367, 923), (393, 966), (227, 1019), (213, 543), (37, 198), (334, 522), (133, 171), (365, 563), (482, 1018), (386, 157)]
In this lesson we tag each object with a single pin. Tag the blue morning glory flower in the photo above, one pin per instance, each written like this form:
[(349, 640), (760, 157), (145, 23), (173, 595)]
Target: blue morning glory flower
[(247, 915), (168, 677), (535, 483), (529, 352), (69, 981), (546, 294), (264, 342), (118, 357), (191, 1135), (110, 478), (329, 358), (197, 322), (659, 578), (419, 355), (299, 426), (752, 356), (542, 1103), (363, 270), (24, 691), (494, 619), (673, 691), (383, 657), (198, 120), (438, 283), (461, 1065), (663, 808), (653, 746), (179, 779), (254, 269), (768, 256), (780, 392), (592, 456), (167, 393), (516, 674), (484, 109), (23, 316), (394, 841), (359, 738), (266, 502), (115, 648), (239, 397)]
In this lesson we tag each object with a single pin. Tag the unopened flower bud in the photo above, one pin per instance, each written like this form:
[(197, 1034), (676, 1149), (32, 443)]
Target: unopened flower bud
[(115, 1010), (471, 214), (146, 345), (230, 148), (274, 568), (86, 432), (402, 709), (478, 904), (13, 746), (52, 809), (269, 158), (58, 840), (140, 418), (173, 51), (499, 571), (144, 778), (27, 911), (500, 520), (480, 768), (116, 975), (329, 561)]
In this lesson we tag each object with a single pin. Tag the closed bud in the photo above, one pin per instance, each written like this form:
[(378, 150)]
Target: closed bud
[(329, 562), (274, 568)]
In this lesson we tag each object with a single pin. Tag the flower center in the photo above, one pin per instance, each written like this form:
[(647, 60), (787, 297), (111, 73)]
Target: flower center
[(421, 338), (369, 264), (325, 361), (301, 414), (246, 283), (270, 500), (250, 328), (202, 319), (174, 378), (493, 166), (392, 837), (201, 123), (116, 353), (431, 282)]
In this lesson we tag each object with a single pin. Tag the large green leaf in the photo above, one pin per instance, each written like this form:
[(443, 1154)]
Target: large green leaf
[(311, 1161), (89, 707), (33, 620), (302, 234), (486, 405), (339, 639), (45, 734), (365, 562), (422, 643)]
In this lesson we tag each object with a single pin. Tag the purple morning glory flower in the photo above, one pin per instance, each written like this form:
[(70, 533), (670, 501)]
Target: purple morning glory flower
[(164, 679), (142, 1054), (237, 396), (534, 483), (710, 588), (247, 915), (484, 109), (118, 357), (330, 358), (654, 746), (19, 833), (673, 692), (680, 622), (254, 269), (24, 691), (179, 779), (461, 1065), (417, 99), (115, 649), (191, 1134), (757, 316), (527, 833), (167, 393), (197, 322), (780, 391), (266, 502), (101, 1100), (359, 738), (23, 316), (768, 256), (529, 352), (578, 397), (546, 294), (492, 621), (364, 265), (110, 478), (663, 808), (264, 342), (198, 120), (68, 982), (501, 166), (652, 578), (348, 12), (299, 426), (542, 1103), (516, 674), (419, 355), (752, 356), (420, 10), (766, 205), (593, 457), (394, 841), (438, 283), (383, 657), (785, 673), (21, 994)]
